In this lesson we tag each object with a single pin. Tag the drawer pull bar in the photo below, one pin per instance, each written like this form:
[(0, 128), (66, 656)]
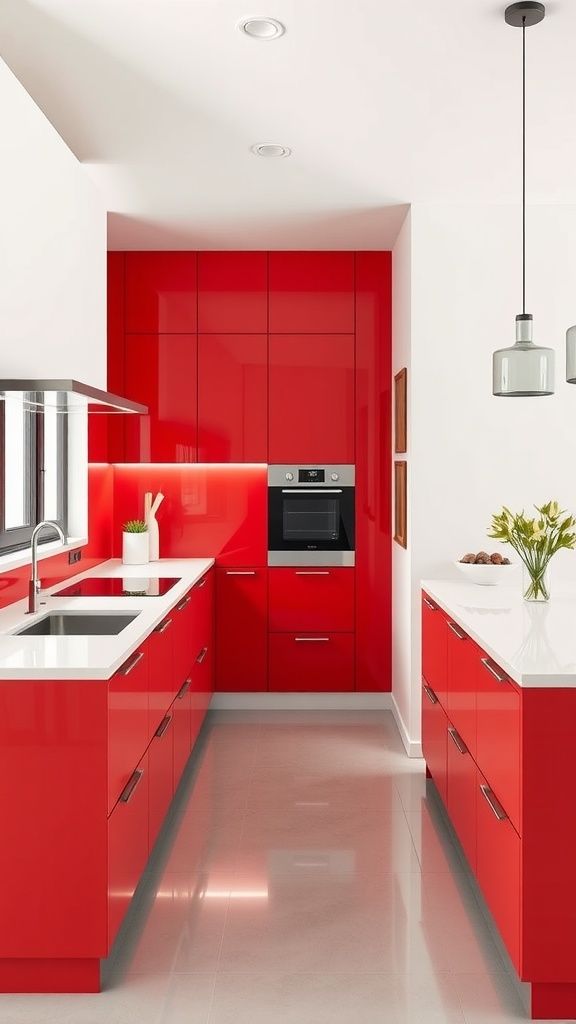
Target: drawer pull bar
[(163, 726), (430, 694), (127, 668), (163, 626), (202, 655), (459, 633), (202, 583), (300, 572), (183, 689), (183, 603), (131, 785), (244, 572), (493, 803), (457, 741), (312, 639), (432, 607), (493, 671)]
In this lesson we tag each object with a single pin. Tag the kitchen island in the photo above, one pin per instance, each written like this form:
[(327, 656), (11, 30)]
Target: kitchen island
[(498, 737)]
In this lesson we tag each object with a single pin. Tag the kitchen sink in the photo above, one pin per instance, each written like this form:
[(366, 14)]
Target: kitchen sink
[(77, 624)]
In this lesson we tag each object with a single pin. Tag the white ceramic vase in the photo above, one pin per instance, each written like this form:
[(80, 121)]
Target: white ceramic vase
[(135, 548)]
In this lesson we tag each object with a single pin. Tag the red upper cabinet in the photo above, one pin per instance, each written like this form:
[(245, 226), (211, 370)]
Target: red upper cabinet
[(160, 292), (232, 293), (311, 292), (232, 399), (311, 398), (161, 371)]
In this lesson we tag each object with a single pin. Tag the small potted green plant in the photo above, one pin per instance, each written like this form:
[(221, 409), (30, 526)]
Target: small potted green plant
[(135, 544)]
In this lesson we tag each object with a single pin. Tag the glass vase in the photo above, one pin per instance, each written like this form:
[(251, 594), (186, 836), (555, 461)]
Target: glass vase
[(536, 582)]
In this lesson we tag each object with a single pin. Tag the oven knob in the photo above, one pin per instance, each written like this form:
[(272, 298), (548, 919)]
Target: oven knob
[(334, 476), (289, 476)]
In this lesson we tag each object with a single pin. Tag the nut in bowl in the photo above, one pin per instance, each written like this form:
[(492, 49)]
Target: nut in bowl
[(486, 570)]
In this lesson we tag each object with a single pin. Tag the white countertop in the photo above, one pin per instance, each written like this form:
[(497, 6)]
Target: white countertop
[(535, 643), (92, 657)]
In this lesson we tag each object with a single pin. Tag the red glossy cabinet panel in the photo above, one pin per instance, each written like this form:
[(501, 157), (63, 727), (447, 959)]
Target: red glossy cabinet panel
[(162, 682), (128, 725), (311, 292), (461, 792), (182, 724), (161, 775), (311, 599), (311, 398), (232, 292), (232, 398), (498, 866), (127, 845), (241, 630), (463, 656), (498, 735), (435, 649), (308, 663), (435, 739), (161, 292), (161, 372), (183, 637)]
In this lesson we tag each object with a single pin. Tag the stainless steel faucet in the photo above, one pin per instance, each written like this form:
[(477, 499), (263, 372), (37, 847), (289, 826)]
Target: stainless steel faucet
[(34, 584)]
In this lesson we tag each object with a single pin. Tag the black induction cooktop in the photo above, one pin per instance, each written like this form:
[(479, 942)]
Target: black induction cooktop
[(119, 586)]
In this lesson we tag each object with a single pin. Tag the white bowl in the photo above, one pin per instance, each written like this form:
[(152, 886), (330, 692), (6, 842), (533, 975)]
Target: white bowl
[(487, 575)]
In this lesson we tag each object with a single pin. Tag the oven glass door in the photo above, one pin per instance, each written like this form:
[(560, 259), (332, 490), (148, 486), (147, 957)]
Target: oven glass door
[(311, 519)]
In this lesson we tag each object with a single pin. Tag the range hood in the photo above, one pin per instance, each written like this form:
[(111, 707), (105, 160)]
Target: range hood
[(65, 396)]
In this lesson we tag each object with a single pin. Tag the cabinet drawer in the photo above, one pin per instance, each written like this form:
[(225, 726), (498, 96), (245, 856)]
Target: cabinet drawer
[(434, 648), (498, 866), (461, 792), (127, 845), (162, 681), (128, 725), (241, 630), (161, 775), (463, 656), (311, 600), (434, 738), (498, 735), (182, 725), (311, 663)]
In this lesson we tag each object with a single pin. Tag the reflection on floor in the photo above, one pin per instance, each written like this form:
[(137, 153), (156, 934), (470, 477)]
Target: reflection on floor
[(306, 877)]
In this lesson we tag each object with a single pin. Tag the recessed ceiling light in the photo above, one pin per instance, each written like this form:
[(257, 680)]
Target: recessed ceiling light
[(271, 149), (262, 28)]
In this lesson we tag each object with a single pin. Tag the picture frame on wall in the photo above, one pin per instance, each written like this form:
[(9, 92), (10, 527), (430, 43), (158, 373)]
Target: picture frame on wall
[(400, 410), (400, 503)]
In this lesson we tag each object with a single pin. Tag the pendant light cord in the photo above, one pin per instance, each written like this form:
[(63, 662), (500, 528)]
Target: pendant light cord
[(524, 164)]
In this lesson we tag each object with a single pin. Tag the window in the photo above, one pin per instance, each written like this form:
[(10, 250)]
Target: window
[(33, 477)]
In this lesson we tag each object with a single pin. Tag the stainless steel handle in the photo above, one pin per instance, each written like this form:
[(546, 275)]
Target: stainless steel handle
[(163, 726), (237, 572), (317, 490), (494, 805), (459, 633), (163, 626), (183, 603), (432, 607), (127, 668), (312, 639), (457, 741), (131, 785), (202, 583), (430, 694), (302, 572), (183, 689), (493, 672), (202, 655)]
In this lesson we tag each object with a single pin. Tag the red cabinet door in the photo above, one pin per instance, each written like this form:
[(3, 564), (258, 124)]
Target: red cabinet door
[(309, 663), (128, 725), (498, 735), (162, 683), (161, 775), (462, 681), (461, 792), (498, 866), (241, 630), (435, 649), (434, 739), (182, 725), (311, 399), (161, 372), (311, 600), (127, 845), (183, 638), (311, 292), (232, 292), (232, 397), (161, 292)]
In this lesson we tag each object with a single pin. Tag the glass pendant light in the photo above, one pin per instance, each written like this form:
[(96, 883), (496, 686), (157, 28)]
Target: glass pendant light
[(524, 369)]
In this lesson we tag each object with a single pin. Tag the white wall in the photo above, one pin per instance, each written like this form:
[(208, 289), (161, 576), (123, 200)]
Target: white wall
[(52, 250), (470, 453)]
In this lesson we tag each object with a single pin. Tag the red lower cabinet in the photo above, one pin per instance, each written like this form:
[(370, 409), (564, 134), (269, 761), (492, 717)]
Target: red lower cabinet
[(241, 630), (161, 775), (308, 663), (128, 721), (127, 845), (461, 792), (435, 739), (498, 735), (311, 599), (182, 727), (498, 866)]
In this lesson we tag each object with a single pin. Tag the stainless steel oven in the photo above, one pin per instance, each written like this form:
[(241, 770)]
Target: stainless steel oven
[(311, 515)]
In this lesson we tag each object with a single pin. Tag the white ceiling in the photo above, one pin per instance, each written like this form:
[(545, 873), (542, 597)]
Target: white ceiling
[(383, 103)]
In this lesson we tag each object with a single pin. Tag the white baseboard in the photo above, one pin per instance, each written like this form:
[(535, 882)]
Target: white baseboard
[(301, 701), (412, 747)]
